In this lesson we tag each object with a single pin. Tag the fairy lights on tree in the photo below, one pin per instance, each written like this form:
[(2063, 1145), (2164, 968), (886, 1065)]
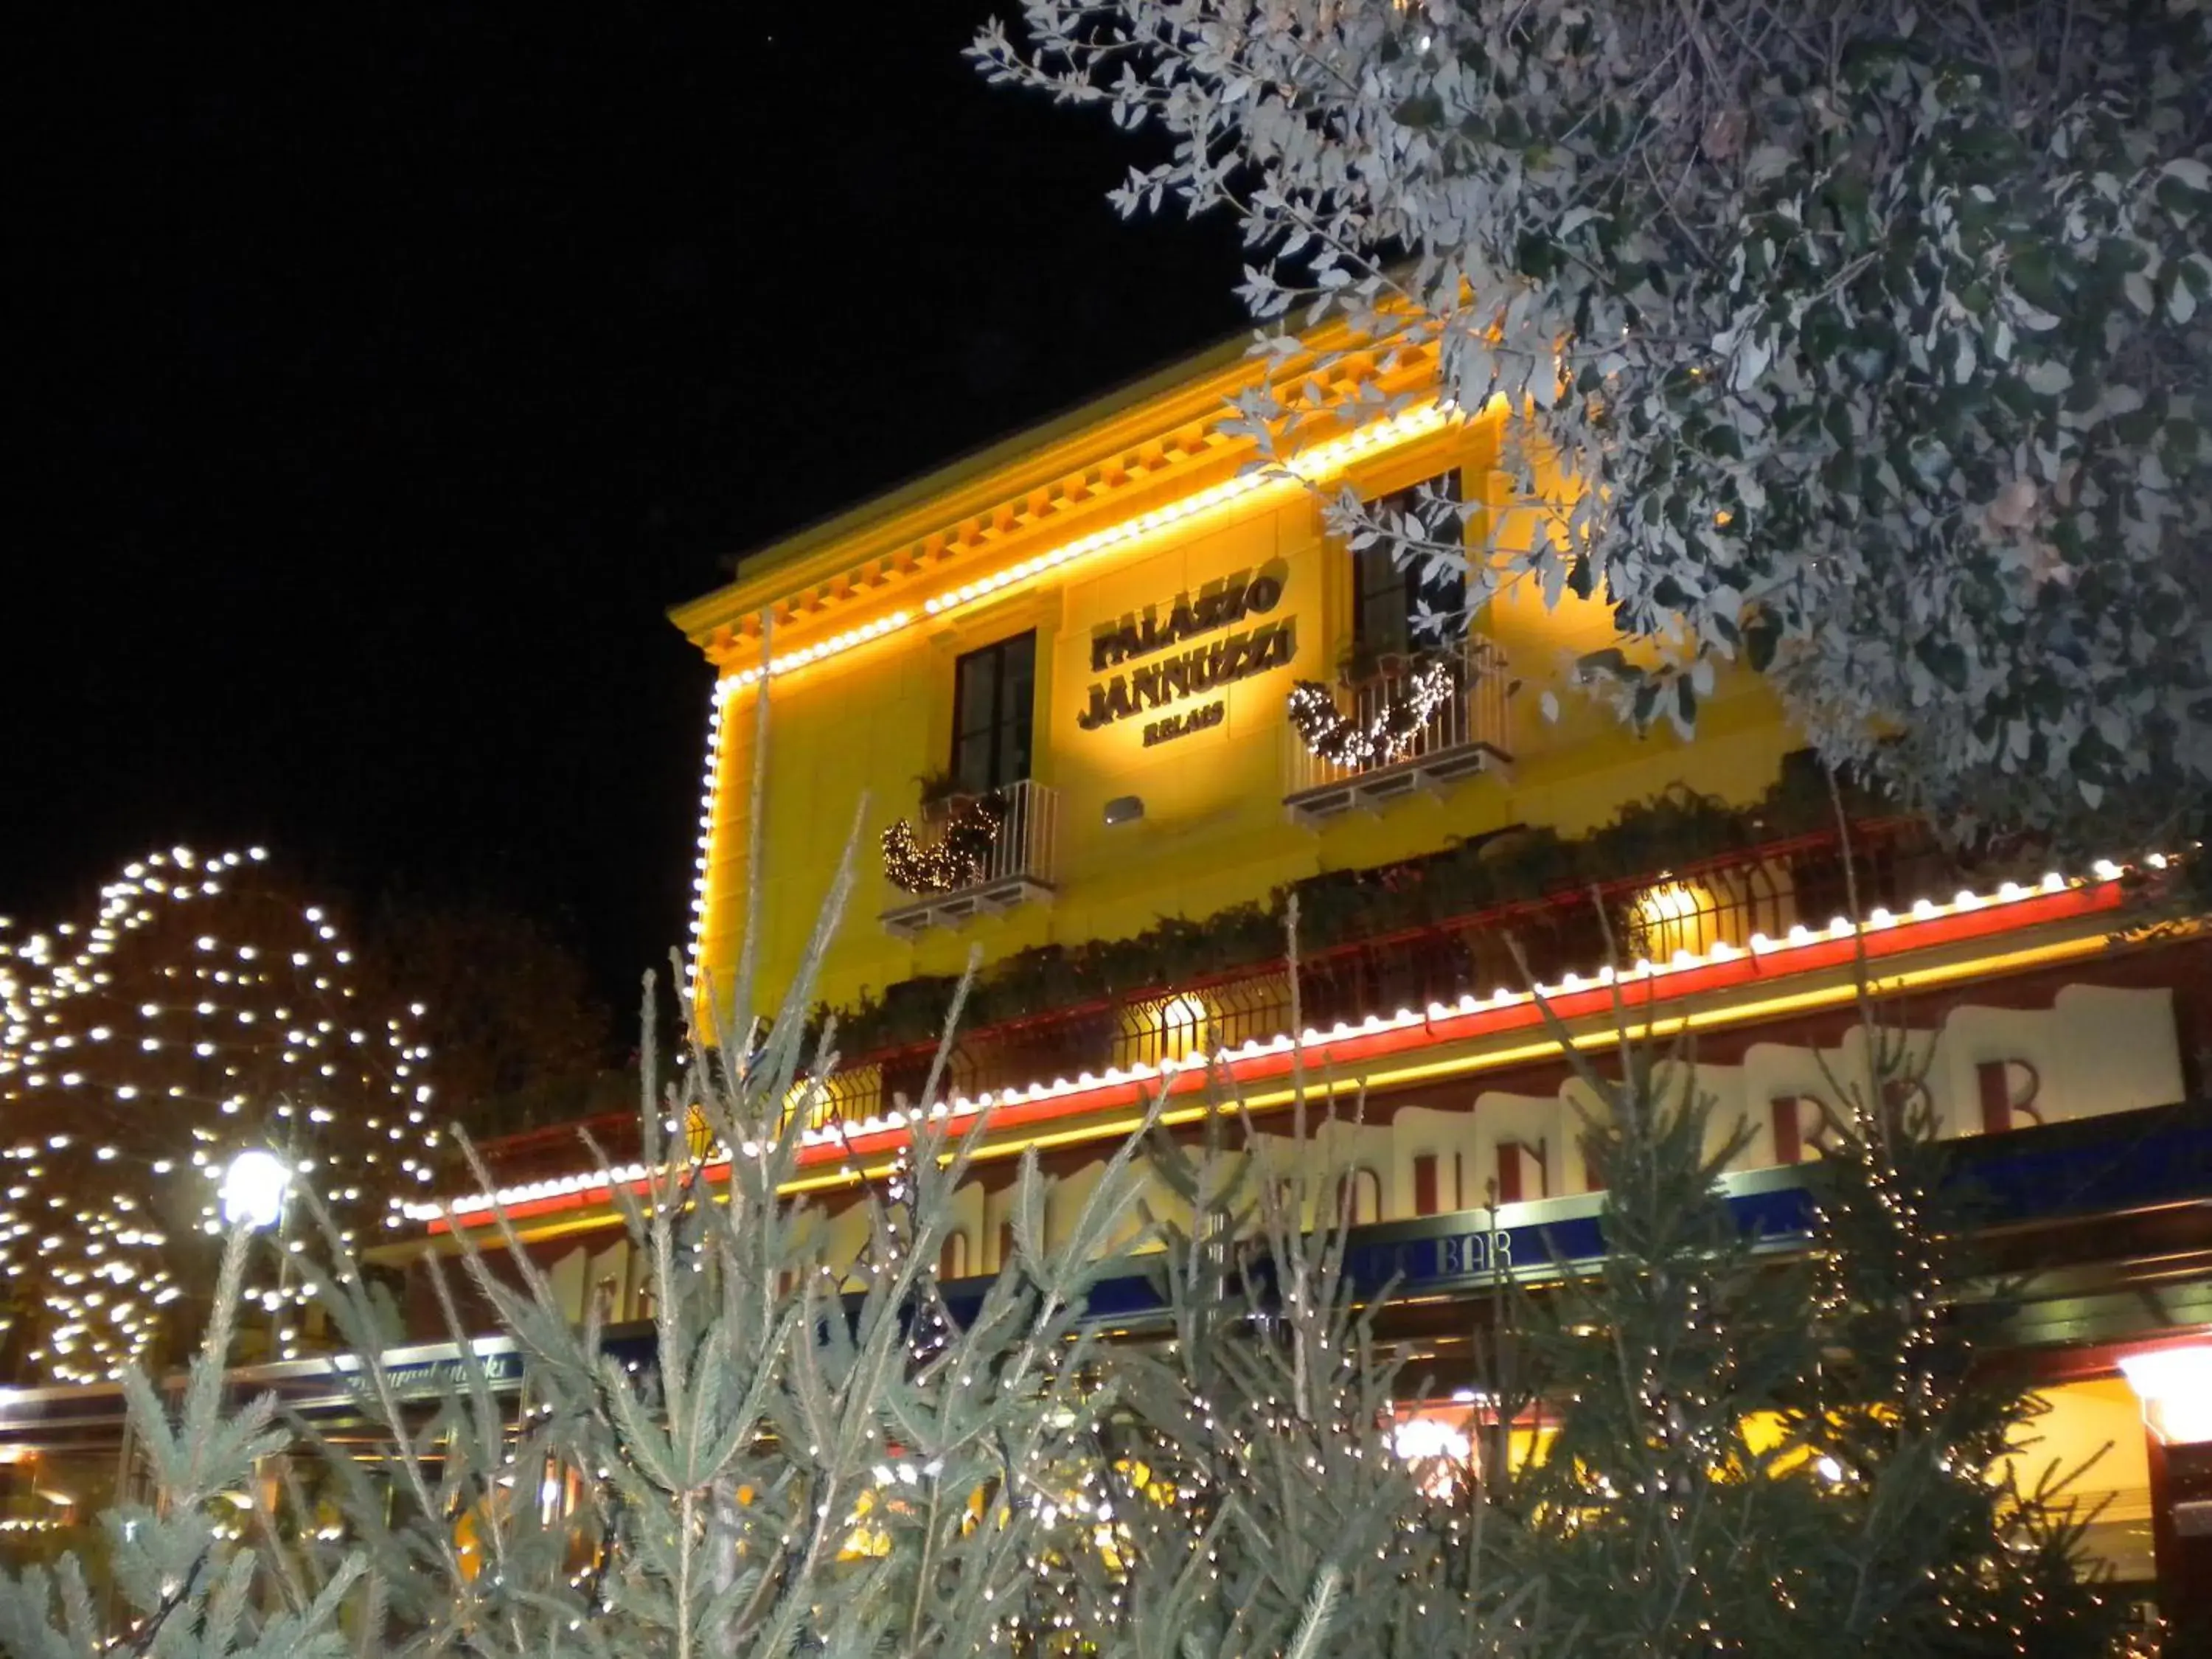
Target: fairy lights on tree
[(207, 1011)]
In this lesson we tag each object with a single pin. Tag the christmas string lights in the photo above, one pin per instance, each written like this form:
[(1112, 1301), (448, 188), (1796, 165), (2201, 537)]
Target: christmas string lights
[(1073, 1094), (1330, 737), (203, 1013), (958, 858), (1308, 467), (709, 808)]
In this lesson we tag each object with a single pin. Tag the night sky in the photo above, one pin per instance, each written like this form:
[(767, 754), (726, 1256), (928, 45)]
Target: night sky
[(387, 375)]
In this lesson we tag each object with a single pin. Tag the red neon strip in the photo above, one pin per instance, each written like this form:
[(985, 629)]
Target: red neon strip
[(1748, 969)]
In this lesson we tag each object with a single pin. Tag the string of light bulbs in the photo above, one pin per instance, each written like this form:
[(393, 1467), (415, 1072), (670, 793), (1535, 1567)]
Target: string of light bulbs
[(1773, 952), (1331, 736), (1308, 467), (959, 855)]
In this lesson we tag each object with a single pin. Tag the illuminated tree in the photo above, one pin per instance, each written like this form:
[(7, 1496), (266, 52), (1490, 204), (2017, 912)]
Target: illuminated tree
[(207, 1009)]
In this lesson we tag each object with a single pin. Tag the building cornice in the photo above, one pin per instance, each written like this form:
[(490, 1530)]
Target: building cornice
[(1163, 436)]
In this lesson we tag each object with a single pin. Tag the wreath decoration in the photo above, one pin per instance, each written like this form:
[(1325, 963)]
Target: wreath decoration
[(1329, 736), (956, 857)]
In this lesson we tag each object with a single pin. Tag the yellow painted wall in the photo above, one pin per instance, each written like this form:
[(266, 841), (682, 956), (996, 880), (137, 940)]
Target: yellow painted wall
[(1214, 832)]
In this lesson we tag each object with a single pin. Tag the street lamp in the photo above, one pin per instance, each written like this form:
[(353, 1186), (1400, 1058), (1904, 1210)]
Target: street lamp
[(253, 1195), (253, 1189)]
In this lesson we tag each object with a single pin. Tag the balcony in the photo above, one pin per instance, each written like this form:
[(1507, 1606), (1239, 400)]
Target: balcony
[(1017, 864), (1372, 764), (1068, 1027), (1762, 889)]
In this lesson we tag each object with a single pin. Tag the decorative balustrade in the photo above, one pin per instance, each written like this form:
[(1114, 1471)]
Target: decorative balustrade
[(1456, 706), (1019, 864), (1765, 889), (1768, 890)]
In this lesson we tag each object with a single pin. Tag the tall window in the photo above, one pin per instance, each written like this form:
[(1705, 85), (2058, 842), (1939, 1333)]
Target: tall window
[(993, 691), (1389, 598)]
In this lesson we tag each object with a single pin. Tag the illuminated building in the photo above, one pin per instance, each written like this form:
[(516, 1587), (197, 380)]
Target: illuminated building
[(1089, 640)]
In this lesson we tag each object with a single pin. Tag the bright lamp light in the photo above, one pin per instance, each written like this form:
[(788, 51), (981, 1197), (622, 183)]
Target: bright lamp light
[(1435, 1448), (2175, 1387), (1417, 1439), (253, 1189)]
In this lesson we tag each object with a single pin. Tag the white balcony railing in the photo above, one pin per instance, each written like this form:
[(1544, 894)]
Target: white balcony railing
[(1465, 733), (1020, 864)]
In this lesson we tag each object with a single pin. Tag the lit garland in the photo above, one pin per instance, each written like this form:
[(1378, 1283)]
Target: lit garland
[(462, 1209), (201, 1014), (709, 807), (956, 858), (1284, 477), (1330, 737)]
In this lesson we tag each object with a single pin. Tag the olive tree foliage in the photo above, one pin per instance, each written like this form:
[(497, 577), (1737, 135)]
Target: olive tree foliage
[(1863, 342)]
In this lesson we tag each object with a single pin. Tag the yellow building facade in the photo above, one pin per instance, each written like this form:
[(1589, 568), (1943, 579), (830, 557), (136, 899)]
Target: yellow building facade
[(1089, 707), (1187, 803)]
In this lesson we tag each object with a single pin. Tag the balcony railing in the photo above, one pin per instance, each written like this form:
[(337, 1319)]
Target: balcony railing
[(1766, 889), (1020, 864), (1464, 734)]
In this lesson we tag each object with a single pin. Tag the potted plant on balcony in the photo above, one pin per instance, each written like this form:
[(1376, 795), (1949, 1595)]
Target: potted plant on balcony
[(1362, 660), (938, 790)]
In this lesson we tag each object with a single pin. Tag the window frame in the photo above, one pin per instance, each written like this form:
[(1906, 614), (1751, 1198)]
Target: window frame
[(998, 767), (1408, 584)]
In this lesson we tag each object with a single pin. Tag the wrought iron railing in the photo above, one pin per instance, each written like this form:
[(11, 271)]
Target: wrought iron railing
[(1767, 889), (1764, 889)]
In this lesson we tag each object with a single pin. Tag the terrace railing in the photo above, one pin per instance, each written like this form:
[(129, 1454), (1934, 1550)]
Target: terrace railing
[(1766, 889)]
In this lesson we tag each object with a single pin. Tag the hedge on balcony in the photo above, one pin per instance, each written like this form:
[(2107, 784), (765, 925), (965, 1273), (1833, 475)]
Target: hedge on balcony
[(1515, 866)]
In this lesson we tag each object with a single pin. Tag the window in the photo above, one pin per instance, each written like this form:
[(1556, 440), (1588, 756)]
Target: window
[(1360, 1196), (1388, 599), (993, 691)]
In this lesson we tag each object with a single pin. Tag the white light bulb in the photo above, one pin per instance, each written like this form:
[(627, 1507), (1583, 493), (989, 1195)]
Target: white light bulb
[(253, 1189)]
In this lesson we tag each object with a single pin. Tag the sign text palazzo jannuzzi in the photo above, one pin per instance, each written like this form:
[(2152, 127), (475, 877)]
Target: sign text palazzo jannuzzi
[(1235, 656)]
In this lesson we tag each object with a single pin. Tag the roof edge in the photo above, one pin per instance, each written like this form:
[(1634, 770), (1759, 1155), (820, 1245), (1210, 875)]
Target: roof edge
[(1172, 395)]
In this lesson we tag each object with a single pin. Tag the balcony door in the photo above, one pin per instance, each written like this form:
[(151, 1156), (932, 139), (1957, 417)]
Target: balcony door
[(1389, 600), (994, 696)]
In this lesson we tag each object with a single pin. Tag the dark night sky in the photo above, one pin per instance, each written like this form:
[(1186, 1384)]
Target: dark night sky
[(387, 375)]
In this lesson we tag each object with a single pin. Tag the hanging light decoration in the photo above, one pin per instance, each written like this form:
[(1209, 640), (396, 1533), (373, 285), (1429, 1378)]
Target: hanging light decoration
[(958, 858)]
